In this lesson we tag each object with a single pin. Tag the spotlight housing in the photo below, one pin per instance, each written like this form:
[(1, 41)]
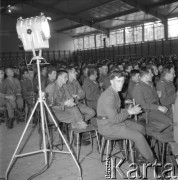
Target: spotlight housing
[(34, 32)]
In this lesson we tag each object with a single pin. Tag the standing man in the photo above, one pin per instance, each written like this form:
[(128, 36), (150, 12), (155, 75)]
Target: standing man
[(113, 121)]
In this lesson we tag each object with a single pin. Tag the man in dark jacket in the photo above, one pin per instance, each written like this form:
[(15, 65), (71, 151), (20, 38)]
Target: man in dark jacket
[(113, 121)]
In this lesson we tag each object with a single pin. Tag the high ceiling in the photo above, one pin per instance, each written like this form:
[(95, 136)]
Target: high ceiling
[(79, 17)]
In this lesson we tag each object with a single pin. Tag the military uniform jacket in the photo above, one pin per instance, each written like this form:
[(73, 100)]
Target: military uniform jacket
[(168, 92), (109, 106), (27, 87), (146, 96), (130, 89), (12, 87), (2, 94), (56, 96), (91, 89), (74, 88)]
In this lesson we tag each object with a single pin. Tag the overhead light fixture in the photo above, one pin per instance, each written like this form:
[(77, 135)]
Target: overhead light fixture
[(34, 32)]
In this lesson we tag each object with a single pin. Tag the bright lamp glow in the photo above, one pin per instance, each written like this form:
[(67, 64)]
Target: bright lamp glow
[(33, 32)]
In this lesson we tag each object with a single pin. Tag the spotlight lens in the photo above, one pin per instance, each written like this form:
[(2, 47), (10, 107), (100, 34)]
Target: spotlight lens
[(45, 29)]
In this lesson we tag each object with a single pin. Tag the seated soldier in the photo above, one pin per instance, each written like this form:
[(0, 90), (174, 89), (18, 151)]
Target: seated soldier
[(134, 78), (51, 74), (113, 121), (28, 89), (166, 88), (63, 105), (4, 98), (91, 88), (75, 90), (146, 96), (12, 87), (103, 73)]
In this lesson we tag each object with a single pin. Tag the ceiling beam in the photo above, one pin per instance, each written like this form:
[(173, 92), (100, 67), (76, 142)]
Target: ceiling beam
[(69, 16), (161, 3), (69, 28), (153, 12), (102, 19), (87, 9), (118, 14)]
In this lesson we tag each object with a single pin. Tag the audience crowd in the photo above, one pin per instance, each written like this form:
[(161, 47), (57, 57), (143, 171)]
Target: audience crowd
[(79, 92)]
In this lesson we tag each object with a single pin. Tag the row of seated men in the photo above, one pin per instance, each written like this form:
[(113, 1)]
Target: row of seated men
[(65, 96)]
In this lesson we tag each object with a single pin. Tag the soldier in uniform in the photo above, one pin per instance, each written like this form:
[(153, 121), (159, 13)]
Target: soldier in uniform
[(76, 91), (12, 87), (145, 94), (113, 121), (62, 104), (51, 74), (134, 78), (4, 99), (166, 88), (91, 88)]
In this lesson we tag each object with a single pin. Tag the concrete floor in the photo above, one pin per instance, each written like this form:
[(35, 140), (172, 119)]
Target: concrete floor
[(62, 167)]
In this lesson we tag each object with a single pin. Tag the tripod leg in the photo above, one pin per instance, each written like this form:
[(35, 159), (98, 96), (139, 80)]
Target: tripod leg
[(14, 155), (76, 162)]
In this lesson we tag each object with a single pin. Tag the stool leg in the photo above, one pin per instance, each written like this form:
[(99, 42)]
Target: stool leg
[(102, 148), (97, 138), (91, 141), (162, 157), (107, 152), (78, 139), (71, 137), (125, 148), (132, 151)]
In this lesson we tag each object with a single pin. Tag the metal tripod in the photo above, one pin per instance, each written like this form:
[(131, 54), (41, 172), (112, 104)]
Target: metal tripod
[(41, 101)]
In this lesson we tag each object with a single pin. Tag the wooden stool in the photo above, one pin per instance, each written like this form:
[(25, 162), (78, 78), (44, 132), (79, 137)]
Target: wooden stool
[(89, 129)]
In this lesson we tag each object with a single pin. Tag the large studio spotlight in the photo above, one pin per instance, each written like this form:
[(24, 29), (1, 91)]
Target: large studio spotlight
[(34, 32)]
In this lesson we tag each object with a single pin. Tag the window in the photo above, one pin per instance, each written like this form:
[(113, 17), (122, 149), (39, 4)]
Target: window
[(173, 27), (129, 35), (137, 33), (76, 44), (80, 43), (112, 39), (148, 31), (92, 41), (120, 36), (158, 30), (86, 42), (98, 40)]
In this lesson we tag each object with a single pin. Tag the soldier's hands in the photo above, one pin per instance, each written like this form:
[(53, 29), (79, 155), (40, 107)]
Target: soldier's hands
[(69, 102), (134, 110), (162, 109)]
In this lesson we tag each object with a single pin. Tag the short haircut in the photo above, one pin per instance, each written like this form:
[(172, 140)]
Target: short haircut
[(167, 68), (134, 72), (91, 71), (144, 71), (70, 68), (116, 73), (61, 72), (51, 69), (8, 69)]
